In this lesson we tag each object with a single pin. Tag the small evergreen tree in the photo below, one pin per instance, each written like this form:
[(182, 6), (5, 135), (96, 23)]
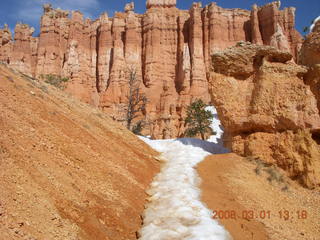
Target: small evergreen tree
[(305, 29), (136, 102), (198, 119), (138, 127)]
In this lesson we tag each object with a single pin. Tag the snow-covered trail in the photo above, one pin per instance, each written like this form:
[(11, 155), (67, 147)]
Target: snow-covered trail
[(174, 211)]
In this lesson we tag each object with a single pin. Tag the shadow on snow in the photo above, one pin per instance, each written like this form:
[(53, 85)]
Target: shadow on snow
[(204, 145)]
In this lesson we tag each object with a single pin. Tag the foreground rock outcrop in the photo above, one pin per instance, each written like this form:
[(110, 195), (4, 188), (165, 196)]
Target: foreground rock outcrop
[(274, 113), (169, 49), (67, 171)]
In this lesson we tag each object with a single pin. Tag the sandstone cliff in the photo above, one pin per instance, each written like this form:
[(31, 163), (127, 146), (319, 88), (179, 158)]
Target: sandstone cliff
[(169, 48), (273, 115), (67, 171)]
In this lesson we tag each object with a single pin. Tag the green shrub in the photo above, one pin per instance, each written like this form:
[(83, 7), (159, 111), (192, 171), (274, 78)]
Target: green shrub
[(137, 128), (198, 119), (272, 173), (55, 80)]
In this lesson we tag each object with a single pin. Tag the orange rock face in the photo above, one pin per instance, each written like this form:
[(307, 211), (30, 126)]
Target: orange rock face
[(24, 51), (312, 78), (169, 49), (6, 44), (263, 79), (273, 115), (277, 27), (294, 151), (310, 56), (310, 50)]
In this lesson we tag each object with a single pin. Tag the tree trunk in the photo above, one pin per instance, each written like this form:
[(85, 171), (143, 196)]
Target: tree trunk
[(202, 135)]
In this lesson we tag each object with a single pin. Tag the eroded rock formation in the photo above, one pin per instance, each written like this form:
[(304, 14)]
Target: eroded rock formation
[(5, 44), (267, 110), (22, 53), (310, 57), (169, 49), (310, 51)]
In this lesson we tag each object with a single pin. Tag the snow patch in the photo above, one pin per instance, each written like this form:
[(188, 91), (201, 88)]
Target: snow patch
[(216, 127), (174, 210), (314, 23)]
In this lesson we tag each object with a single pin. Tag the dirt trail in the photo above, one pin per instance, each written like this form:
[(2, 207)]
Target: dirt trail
[(231, 183)]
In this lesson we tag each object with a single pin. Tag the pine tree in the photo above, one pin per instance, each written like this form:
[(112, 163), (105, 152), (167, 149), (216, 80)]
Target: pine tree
[(136, 102), (198, 119)]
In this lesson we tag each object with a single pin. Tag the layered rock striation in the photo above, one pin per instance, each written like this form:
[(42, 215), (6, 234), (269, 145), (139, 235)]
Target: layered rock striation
[(169, 49)]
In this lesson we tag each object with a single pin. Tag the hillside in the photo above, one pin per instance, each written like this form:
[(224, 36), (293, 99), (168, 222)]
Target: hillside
[(67, 171), (281, 208)]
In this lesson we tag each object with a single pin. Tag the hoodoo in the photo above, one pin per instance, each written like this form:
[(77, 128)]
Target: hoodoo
[(245, 80), (170, 50)]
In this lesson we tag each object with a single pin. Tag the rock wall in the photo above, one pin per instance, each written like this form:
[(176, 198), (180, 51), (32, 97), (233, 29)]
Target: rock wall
[(310, 57), (22, 53), (169, 49), (274, 114), (5, 44)]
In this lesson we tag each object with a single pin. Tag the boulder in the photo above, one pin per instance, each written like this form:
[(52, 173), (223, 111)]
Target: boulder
[(266, 108)]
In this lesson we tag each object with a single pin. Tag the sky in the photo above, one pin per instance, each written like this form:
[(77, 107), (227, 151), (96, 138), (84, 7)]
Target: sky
[(30, 11)]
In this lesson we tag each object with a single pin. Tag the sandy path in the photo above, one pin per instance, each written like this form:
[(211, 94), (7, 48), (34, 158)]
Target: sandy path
[(216, 195), (230, 183)]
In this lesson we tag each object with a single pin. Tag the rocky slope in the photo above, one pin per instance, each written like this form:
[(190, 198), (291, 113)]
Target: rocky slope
[(67, 171), (274, 115), (169, 48)]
